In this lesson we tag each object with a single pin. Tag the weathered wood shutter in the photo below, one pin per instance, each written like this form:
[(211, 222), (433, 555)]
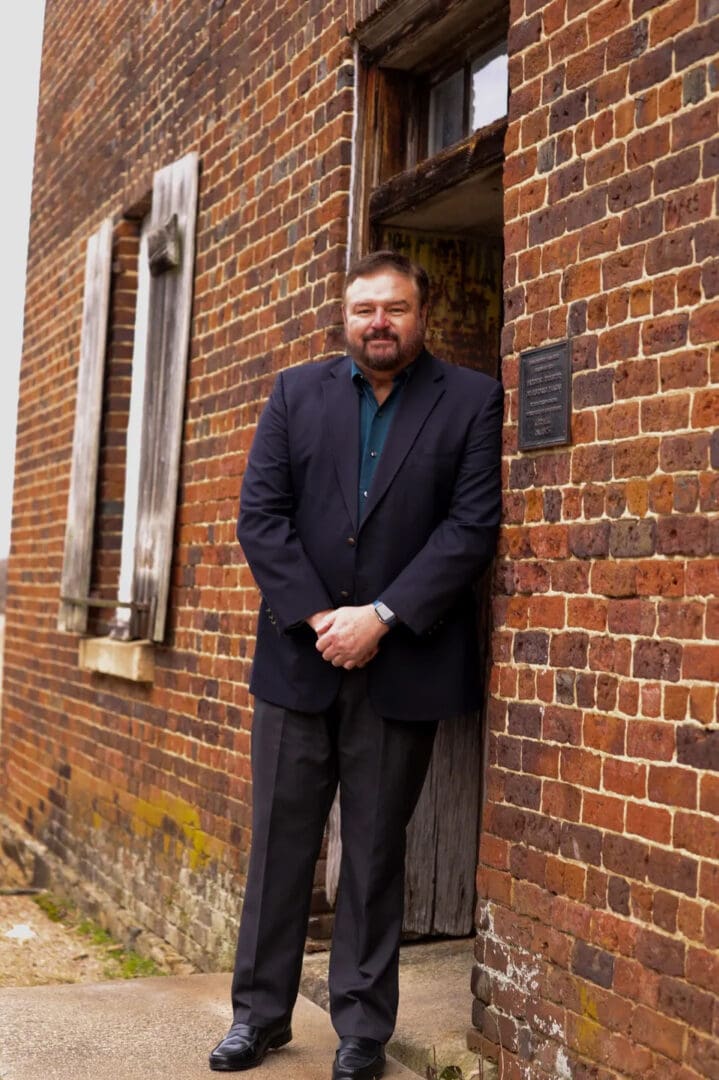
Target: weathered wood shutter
[(174, 192), (443, 835), (79, 529)]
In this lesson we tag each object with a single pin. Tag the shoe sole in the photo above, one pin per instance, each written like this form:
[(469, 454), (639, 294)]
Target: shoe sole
[(372, 1073), (279, 1040)]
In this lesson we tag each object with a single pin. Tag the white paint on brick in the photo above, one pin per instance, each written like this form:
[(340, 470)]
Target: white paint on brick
[(561, 1064)]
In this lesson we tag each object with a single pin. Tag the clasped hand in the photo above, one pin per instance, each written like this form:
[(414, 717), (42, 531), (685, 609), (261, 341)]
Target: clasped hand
[(348, 637)]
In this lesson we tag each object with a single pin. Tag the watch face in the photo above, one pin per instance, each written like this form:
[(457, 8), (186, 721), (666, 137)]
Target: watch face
[(385, 614)]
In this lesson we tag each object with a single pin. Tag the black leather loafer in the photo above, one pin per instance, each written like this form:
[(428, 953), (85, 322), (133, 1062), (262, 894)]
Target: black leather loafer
[(358, 1059), (245, 1045)]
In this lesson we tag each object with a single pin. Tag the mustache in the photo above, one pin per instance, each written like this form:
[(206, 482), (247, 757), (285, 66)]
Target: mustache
[(380, 335)]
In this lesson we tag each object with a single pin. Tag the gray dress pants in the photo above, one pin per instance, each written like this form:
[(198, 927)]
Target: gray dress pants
[(297, 761)]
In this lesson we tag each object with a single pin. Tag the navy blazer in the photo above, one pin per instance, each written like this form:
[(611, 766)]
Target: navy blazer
[(429, 529)]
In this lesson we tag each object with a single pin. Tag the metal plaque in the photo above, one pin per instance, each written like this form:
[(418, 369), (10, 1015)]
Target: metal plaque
[(545, 386)]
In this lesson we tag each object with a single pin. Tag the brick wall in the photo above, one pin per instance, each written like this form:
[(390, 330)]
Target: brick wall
[(143, 790), (599, 877)]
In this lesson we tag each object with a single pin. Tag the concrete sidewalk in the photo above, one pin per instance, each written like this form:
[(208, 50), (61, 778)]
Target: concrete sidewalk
[(146, 1029)]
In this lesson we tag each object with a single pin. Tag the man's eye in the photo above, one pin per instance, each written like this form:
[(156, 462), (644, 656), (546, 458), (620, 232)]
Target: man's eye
[(363, 311), (396, 310)]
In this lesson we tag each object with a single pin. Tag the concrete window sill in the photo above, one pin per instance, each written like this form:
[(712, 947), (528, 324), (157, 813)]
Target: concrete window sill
[(132, 660)]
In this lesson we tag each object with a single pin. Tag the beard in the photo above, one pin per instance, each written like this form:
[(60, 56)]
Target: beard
[(393, 357)]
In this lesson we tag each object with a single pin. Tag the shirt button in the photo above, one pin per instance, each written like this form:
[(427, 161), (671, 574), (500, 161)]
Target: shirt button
[(373, 453), (344, 594), (351, 541), (364, 494)]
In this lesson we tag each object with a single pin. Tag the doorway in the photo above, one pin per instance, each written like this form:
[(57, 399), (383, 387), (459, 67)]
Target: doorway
[(457, 236)]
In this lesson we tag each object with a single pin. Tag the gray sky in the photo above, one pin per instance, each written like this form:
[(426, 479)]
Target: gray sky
[(19, 74)]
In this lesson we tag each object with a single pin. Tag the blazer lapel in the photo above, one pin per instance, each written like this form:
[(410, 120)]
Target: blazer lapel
[(420, 395), (341, 408)]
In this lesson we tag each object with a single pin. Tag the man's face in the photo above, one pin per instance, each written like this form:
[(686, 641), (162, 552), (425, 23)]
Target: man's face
[(384, 323)]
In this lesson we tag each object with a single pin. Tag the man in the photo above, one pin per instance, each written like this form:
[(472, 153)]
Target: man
[(370, 503)]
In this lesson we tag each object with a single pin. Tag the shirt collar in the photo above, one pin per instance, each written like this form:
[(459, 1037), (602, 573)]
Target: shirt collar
[(358, 376)]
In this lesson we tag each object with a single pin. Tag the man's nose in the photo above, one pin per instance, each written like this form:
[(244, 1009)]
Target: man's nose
[(380, 317)]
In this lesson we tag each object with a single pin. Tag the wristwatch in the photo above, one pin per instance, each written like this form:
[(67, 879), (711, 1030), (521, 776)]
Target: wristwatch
[(384, 614)]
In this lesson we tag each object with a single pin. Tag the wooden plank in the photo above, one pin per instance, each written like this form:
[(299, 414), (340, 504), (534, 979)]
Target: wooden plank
[(442, 836), (410, 34), (168, 338), (441, 839), (79, 529), (457, 163)]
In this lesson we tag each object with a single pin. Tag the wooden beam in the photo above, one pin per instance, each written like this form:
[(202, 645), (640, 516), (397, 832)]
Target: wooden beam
[(174, 192), (411, 34), (453, 165), (79, 528)]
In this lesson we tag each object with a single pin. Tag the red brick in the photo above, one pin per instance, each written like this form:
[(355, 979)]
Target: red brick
[(681, 619), (675, 702), (607, 692), (683, 369), (587, 612), (624, 266), (677, 171), (668, 333), (701, 662), (636, 457), (650, 740), (618, 421), (702, 577), (702, 968), (562, 725), (604, 732), (703, 704), (702, 1055), (540, 760), (667, 413), (685, 453), (649, 822), (661, 953), (698, 833), (580, 767), (666, 1037), (625, 778), (635, 377), (695, 125), (672, 870), (709, 800), (603, 812), (660, 579), (648, 146), (672, 785), (547, 611), (691, 204), (703, 323), (705, 408), (641, 222)]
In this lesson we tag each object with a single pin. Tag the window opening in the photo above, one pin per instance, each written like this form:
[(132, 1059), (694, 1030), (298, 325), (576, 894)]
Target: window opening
[(470, 98), (446, 112), (121, 625), (489, 86)]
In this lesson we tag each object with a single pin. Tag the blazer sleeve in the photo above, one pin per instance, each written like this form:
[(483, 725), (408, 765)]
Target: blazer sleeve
[(463, 543), (266, 529)]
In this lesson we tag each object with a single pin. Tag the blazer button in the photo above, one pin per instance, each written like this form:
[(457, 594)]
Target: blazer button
[(344, 594), (351, 541)]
